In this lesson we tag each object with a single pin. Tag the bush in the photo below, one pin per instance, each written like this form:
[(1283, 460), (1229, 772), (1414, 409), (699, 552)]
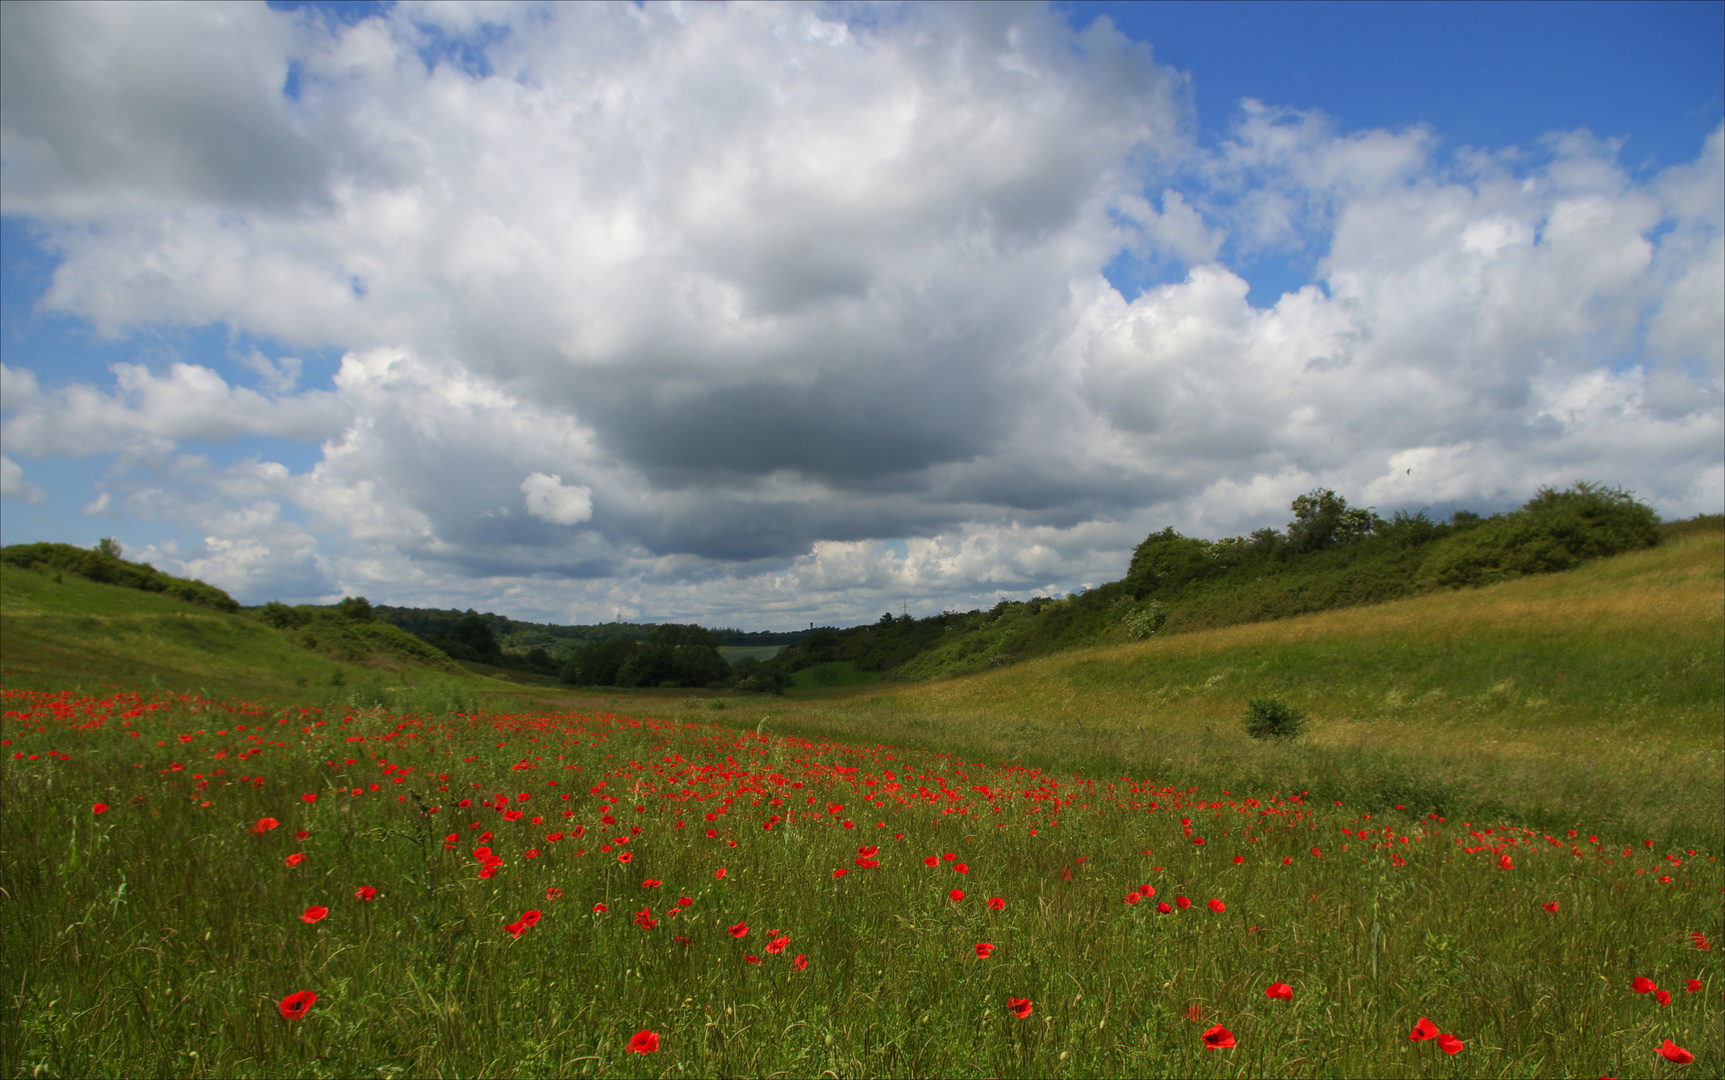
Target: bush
[(107, 569), (1142, 623), (1555, 530), (1269, 718)]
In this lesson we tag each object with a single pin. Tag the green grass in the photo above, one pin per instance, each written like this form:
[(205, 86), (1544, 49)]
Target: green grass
[(1592, 695), (158, 937), (735, 653), (813, 681), (72, 632)]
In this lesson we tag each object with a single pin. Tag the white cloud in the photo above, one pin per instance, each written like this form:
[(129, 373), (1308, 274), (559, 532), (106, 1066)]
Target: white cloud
[(14, 486), (148, 412), (548, 499), (797, 316)]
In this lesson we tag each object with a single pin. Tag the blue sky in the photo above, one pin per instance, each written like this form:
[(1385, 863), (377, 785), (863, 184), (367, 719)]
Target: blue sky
[(761, 316)]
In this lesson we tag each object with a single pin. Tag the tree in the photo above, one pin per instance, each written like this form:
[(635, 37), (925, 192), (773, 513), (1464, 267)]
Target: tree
[(1323, 519), (355, 608), (110, 547), (474, 632), (597, 663)]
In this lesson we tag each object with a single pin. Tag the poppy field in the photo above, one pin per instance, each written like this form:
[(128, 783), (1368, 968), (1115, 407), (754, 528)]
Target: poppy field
[(197, 887)]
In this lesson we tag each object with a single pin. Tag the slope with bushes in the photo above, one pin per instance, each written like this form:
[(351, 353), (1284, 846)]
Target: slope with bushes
[(1331, 556)]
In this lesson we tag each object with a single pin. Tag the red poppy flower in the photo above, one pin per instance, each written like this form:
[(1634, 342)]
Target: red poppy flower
[(314, 913), (1279, 990), (950, 856), (531, 918), (310, 796), (295, 859), (295, 1006), (1316, 854), (1020, 1007), (1132, 898), (651, 883), (303, 834), (1218, 907), (264, 825), (100, 808), (996, 903), (1551, 907), (644, 919), (1643, 985), (1287, 861), (626, 856), (1194, 1012), (553, 893), (1662, 996), (1504, 862), (1182, 903), (1423, 1030), (751, 959), (685, 901), (365, 892), (1700, 940), (932, 860), (601, 908), (840, 872), (984, 949), (1164, 907), (1218, 1038), (955, 895), (961, 868), (1147, 890), (644, 1042), (1238, 859), (801, 962), (719, 874), (515, 928), (1449, 1044), (777, 945), (1693, 986), (740, 930), (1675, 1054)]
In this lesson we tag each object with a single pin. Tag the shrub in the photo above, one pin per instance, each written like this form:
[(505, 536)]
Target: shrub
[(1269, 718), (1555, 530), (1141, 624), (283, 617), (357, 608)]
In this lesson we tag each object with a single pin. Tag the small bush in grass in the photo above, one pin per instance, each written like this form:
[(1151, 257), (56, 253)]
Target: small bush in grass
[(1269, 718)]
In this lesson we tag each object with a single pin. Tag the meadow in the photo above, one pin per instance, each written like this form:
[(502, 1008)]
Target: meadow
[(1494, 854)]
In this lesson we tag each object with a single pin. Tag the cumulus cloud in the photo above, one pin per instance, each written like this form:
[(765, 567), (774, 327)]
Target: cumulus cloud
[(13, 485), (792, 310), (148, 410), (549, 499)]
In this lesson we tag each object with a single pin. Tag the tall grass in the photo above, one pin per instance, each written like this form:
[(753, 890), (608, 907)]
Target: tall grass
[(1595, 695), (159, 936)]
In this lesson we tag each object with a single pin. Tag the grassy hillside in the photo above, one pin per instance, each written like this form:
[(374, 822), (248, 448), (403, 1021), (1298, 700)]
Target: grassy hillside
[(60, 630), (1597, 694), (1331, 557)]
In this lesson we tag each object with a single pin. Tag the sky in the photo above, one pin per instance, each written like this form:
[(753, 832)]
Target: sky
[(762, 315)]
